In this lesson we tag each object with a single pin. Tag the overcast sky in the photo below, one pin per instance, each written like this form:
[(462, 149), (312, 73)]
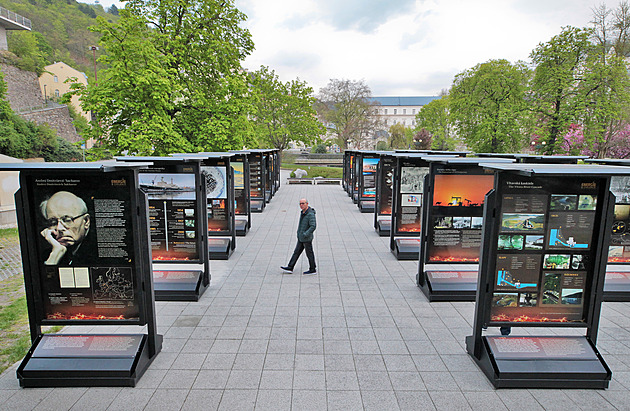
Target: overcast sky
[(402, 48)]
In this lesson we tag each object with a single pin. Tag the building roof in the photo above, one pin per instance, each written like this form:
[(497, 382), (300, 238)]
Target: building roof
[(405, 101)]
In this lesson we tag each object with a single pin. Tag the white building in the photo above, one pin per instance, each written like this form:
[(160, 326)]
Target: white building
[(400, 110)]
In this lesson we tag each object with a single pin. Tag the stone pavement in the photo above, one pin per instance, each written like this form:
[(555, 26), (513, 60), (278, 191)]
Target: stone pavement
[(359, 335), (10, 258)]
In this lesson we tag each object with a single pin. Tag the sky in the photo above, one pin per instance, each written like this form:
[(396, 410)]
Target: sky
[(402, 48)]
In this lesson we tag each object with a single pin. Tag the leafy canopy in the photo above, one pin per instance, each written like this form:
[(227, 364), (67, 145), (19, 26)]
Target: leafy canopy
[(487, 104), (283, 112)]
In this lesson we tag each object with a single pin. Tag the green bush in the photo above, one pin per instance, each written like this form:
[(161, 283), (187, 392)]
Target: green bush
[(326, 172), (320, 148)]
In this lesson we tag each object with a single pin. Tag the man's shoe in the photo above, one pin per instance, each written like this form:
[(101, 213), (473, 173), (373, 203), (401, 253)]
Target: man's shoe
[(310, 272), (289, 269)]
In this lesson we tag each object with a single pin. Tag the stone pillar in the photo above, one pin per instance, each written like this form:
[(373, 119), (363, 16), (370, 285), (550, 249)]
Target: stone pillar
[(3, 38)]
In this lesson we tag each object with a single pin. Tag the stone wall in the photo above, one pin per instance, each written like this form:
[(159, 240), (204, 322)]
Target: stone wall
[(25, 98), (23, 92), (58, 118)]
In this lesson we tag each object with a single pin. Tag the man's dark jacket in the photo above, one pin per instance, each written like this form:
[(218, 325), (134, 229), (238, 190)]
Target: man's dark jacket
[(307, 225)]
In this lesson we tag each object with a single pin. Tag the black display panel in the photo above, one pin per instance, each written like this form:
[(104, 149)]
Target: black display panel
[(386, 180), (85, 247), (369, 177), (456, 213), (240, 193), (544, 255), (256, 176), (410, 198), (173, 222), (216, 192), (619, 249)]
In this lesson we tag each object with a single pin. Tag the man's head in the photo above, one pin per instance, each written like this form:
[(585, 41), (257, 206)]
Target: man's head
[(67, 216), (303, 204)]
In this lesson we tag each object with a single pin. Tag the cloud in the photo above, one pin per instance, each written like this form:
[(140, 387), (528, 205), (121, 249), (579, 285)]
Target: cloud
[(364, 16), (296, 60)]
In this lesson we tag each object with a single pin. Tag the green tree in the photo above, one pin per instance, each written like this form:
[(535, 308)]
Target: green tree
[(382, 146), (556, 85), (487, 104), (283, 112), (398, 137), (347, 107), (175, 82), (605, 92), (435, 118)]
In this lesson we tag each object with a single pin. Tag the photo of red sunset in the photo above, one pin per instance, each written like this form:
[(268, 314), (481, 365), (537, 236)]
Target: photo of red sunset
[(461, 190)]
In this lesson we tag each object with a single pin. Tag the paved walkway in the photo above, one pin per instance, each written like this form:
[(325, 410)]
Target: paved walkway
[(359, 335)]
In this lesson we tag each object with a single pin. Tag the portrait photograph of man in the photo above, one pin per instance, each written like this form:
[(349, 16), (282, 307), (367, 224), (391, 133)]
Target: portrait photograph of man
[(67, 230)]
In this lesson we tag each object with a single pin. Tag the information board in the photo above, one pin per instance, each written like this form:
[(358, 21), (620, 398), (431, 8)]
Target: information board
[(369, 177), (386, 180), (85, 247), (456, 213), (544, 256), (240, 193), (256, 176), (411, 192), (216, 192), (173, 221), (619, 249)]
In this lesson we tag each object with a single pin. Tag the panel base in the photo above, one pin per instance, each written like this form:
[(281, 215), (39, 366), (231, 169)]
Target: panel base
[(617, 286), (241, 227), (541, 362), (367, 206), (383, 227), (406, 249), (90, 360), (450, 285), (257, 205), (219, 248), (181, 285)]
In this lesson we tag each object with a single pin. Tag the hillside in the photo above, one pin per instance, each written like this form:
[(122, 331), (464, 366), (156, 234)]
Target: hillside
[(60, 32)]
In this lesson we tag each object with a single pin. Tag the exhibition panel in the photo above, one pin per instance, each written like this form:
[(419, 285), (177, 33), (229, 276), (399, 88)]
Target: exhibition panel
[(383, 200), (219, 177), (84, 239), (367, 181), (451, 234), (178, 231), (242, 208), (617, 284), (542, 265), (257, 178), (407, 195)]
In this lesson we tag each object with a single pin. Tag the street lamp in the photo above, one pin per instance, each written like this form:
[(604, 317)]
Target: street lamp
[(94, 48)]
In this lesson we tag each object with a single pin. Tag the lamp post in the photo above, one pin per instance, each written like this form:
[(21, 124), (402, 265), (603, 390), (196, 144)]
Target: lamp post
[(45, 96), (94, 48)]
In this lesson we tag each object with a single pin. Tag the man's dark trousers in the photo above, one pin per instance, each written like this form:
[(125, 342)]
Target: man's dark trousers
[(308, 246)]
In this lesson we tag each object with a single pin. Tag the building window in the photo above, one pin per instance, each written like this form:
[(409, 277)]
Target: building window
[(414, 111), (404, 122), (395, 111), (55, 79), (404, 111), (385, 111), (56, 92)]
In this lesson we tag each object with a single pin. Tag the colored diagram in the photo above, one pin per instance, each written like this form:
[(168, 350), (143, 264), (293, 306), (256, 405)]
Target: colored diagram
[(504, 278), (556, 238)]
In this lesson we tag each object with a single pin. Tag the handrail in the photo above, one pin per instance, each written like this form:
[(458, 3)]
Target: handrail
[(9, 15)]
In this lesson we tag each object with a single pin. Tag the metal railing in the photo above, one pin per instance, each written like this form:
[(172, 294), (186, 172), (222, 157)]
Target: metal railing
[(9, 15)]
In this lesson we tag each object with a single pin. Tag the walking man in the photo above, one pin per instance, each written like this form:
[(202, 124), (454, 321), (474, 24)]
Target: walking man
[(306, 227)]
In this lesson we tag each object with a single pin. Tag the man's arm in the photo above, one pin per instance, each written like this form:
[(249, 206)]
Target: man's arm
[(312, 225)]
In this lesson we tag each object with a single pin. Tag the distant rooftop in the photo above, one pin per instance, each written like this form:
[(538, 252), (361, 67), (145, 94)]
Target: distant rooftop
[(405, 101)]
